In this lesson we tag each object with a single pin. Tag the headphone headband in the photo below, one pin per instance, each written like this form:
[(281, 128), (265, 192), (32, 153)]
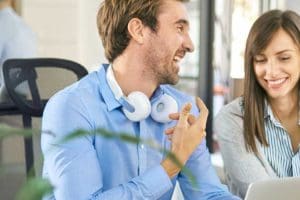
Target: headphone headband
[(136, 106)]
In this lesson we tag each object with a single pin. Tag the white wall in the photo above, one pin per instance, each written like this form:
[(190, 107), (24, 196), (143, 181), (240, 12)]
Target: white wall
[(66, 29), (293, 5), (91, 50)]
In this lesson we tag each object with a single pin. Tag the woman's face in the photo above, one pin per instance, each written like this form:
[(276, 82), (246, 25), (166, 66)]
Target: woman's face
[(277, 68)]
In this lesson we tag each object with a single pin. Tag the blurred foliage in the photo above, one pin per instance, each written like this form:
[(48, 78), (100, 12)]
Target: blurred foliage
[(7, 131), (35, 188)]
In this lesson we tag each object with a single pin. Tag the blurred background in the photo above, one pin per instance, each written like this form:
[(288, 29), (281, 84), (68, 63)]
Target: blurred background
[(67, 29)]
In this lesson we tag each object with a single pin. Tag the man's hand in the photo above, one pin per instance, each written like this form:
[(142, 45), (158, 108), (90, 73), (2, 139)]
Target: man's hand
[(186, 135)]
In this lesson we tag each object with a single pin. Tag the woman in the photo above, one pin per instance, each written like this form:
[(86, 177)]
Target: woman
[(259, 133)]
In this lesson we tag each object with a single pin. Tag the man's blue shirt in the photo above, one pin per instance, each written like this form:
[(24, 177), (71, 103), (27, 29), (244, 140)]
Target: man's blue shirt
[(94, 167)]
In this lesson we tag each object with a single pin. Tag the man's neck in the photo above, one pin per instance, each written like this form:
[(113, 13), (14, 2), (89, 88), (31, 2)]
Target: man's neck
[(131, 76)]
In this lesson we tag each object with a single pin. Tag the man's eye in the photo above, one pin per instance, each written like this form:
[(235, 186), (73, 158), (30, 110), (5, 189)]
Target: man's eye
[(180, 28)]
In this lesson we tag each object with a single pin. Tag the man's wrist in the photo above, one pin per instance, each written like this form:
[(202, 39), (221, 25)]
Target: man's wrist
[(170, 167)]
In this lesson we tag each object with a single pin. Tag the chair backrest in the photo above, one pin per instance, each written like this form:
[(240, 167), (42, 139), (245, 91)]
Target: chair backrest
[(19, 72), (22, 78)]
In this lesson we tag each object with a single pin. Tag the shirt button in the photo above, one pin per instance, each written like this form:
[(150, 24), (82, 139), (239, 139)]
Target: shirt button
[(142, 146)]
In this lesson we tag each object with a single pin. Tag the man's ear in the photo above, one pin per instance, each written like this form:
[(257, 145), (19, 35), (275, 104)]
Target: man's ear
[(136, 30)]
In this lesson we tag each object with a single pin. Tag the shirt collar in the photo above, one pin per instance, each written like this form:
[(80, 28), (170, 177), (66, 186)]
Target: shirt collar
[(108, 96), (105, 90), (269, 113)]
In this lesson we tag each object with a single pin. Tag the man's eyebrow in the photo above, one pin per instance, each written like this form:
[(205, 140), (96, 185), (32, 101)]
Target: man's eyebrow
[(182, 21)]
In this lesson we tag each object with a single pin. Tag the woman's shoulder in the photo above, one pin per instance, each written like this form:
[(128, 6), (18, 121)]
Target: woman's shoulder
[(229, 121), (233, 108)]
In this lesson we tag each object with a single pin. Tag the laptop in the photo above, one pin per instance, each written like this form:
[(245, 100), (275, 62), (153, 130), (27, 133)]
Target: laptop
[(275, 189)]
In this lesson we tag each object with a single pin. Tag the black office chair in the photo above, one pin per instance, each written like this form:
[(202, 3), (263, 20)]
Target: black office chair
[(23, 78)]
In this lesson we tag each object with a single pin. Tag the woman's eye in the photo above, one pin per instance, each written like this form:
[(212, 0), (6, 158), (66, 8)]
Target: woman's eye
[(260, 60), (285, 58)]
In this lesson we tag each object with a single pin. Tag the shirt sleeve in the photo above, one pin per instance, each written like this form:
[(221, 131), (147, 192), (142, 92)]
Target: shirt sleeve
[(73, 167), (207, 185), (241, 167), (150, 185), (20, 45)]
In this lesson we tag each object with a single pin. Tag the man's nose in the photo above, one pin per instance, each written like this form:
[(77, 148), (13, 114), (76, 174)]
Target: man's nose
[(188, 44)]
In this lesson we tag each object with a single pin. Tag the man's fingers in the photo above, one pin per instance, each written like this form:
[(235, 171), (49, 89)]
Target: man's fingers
[(174, 116), (200, 104), (169, 131), (184, 114), (202, 119), (191, 119)]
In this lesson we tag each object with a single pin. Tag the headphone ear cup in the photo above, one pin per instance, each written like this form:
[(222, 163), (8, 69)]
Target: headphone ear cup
[(141, 104), (163, 107)]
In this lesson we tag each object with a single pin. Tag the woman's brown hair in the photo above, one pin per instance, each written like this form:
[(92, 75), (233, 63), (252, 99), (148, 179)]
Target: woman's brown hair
[(259, 37)]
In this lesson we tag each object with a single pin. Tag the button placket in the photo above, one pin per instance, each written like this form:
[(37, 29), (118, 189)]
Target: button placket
[(142, 150)]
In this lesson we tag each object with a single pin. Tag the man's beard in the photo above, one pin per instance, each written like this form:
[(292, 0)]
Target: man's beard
[(166, 76)]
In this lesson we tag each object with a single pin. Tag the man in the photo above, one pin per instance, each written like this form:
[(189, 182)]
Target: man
[(144, 42), (16, 41)]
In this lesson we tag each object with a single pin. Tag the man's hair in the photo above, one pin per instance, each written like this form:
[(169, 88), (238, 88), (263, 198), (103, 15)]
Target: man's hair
[(113, 17)]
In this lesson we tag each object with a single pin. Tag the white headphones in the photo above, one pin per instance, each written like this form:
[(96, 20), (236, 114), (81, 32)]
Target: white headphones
[(136, 106)]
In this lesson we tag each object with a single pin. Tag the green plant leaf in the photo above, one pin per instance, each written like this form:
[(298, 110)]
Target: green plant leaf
[(34, 189), (6, 131)]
